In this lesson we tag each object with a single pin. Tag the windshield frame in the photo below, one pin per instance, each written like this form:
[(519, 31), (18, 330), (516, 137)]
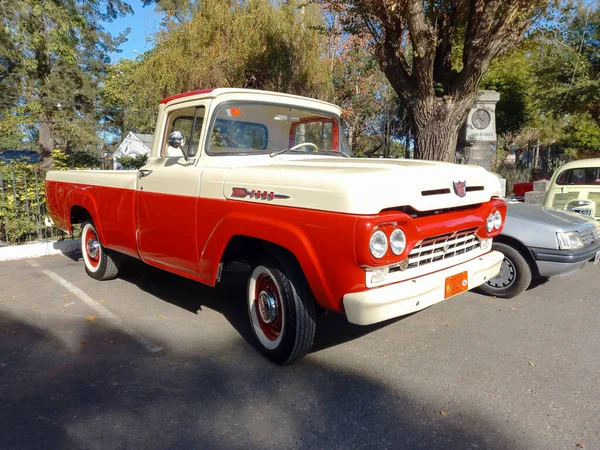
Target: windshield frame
[(342, 138)]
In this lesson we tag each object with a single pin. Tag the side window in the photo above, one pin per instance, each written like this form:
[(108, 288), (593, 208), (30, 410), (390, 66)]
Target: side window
[(183, 132)]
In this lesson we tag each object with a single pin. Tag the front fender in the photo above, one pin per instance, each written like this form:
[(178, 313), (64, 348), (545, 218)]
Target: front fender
[(276, 231)]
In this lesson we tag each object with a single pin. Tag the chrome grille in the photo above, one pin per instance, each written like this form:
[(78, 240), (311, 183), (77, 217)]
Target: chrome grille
[(588, 236), (444, 246)]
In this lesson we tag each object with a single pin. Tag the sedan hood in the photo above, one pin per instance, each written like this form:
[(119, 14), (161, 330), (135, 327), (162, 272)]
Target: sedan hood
[(565, 220), (361, 186)]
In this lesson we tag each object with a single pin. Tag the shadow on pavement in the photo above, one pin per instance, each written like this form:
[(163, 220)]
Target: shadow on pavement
[(117, 396), (228, 298)]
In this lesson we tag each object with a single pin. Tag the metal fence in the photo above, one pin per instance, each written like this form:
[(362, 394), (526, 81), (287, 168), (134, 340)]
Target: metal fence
[(23, 212)]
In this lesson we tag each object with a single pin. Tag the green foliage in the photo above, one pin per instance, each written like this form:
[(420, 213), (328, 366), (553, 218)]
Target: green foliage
[(133, 162), (53, 56), (23, 201), (583, 134), (248, 44), (511, 77)]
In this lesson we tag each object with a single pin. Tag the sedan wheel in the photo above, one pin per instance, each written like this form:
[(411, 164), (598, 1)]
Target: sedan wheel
[(514, 276)]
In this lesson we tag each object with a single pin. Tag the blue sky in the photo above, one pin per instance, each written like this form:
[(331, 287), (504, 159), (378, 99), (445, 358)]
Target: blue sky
[(143, 24)]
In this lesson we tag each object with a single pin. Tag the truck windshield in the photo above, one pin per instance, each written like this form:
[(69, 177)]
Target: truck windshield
[(251, 128)]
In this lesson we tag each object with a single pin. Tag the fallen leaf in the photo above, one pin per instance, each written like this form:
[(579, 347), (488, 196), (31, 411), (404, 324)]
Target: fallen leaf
[(513, 309), (447, 326), (500, 310), (102, 301), (83, 342), (531, 363), (91, 318), (64, 310), (1, 301), (443, 413), (108, 340), (580, 445), (160, 316)]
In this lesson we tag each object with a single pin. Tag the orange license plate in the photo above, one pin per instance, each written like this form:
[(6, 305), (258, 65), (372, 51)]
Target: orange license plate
[(456, 284)]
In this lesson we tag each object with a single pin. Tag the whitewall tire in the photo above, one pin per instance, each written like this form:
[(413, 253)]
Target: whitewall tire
[(281, 310), (99, 262)]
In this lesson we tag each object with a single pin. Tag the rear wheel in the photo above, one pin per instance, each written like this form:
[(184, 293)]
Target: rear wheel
[(514, 277), (100, 263), (281, 309)]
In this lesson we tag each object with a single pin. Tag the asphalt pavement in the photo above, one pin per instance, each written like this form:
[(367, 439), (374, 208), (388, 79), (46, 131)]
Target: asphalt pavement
[(154, 361)]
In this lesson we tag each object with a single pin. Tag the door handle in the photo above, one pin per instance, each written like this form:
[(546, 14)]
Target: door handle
[(144, 173)]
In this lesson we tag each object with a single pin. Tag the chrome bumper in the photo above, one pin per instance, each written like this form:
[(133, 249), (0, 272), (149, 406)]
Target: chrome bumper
[(398, 299)]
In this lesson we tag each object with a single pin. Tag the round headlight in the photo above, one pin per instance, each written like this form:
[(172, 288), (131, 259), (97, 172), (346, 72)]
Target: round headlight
[(497, 220), (397, 241), (378, 244), (490, 223)]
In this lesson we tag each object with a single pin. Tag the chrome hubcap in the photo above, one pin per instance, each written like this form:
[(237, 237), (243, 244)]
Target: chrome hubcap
[(267, 307), (92, 247)]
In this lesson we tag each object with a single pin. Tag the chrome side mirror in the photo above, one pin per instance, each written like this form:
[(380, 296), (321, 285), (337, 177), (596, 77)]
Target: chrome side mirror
[(177, 140)]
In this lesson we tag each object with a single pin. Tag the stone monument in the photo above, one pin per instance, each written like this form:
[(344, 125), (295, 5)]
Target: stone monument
[(477, 140)]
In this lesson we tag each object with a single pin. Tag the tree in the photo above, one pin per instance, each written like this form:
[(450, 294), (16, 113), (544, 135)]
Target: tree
[(435, 53), (512, 76), (53, 56), (214, 43)]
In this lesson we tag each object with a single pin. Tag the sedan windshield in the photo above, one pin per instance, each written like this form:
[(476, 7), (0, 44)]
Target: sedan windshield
[(250, 128)]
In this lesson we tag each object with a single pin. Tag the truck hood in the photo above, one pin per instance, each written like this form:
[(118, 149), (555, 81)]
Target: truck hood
[(360, 186)]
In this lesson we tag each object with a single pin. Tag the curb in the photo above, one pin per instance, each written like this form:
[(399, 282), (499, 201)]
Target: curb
[(38, 249)]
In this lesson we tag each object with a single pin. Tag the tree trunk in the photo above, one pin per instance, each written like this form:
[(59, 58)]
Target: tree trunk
[(436, 123), (46, 144)]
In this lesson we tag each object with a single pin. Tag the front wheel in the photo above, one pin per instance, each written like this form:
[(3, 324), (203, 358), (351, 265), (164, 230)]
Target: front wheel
[(514, 277), (281, 309), (100, 263)]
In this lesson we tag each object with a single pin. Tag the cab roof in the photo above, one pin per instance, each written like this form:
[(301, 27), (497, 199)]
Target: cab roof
[(211, 93)]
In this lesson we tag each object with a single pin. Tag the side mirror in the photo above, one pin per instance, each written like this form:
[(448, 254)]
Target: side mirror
[(177, 140)]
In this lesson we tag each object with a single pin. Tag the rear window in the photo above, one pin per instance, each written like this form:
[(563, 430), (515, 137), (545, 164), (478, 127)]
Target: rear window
[(238, 134), (584, 175)]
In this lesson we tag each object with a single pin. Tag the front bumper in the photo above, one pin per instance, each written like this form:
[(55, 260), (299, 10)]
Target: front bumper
[(566, 256), (552, 262), (395, 300)]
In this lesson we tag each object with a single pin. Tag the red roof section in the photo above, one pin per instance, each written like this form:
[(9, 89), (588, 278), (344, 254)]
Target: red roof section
[(185, 94)]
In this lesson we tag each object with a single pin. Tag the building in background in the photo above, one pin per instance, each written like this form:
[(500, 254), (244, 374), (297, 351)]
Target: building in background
[(134, 144)]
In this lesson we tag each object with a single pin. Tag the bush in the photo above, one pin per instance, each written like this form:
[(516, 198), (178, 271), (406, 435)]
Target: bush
[(132, 162), (23, 200), (514, 173)]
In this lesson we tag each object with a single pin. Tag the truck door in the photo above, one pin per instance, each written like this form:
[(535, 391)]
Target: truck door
[(167, 193)]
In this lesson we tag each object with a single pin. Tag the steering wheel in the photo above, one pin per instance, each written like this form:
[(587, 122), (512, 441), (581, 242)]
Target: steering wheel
[(303, 144)]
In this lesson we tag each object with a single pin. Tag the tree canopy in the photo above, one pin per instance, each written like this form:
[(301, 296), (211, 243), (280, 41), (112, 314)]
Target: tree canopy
[(53, 56), (435, 54)]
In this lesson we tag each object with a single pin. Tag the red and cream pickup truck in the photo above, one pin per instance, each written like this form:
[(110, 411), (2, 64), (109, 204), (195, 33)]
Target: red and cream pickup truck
[(268, 179)]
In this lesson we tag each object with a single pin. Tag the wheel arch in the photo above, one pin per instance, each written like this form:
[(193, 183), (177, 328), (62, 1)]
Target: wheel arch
[(521, 248), (285, 240), (85, 209)]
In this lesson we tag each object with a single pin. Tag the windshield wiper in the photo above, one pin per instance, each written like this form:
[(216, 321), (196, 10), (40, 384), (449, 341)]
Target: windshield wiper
[(280, 151)]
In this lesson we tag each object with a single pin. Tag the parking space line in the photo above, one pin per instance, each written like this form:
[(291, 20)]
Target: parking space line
[(100, 310)]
